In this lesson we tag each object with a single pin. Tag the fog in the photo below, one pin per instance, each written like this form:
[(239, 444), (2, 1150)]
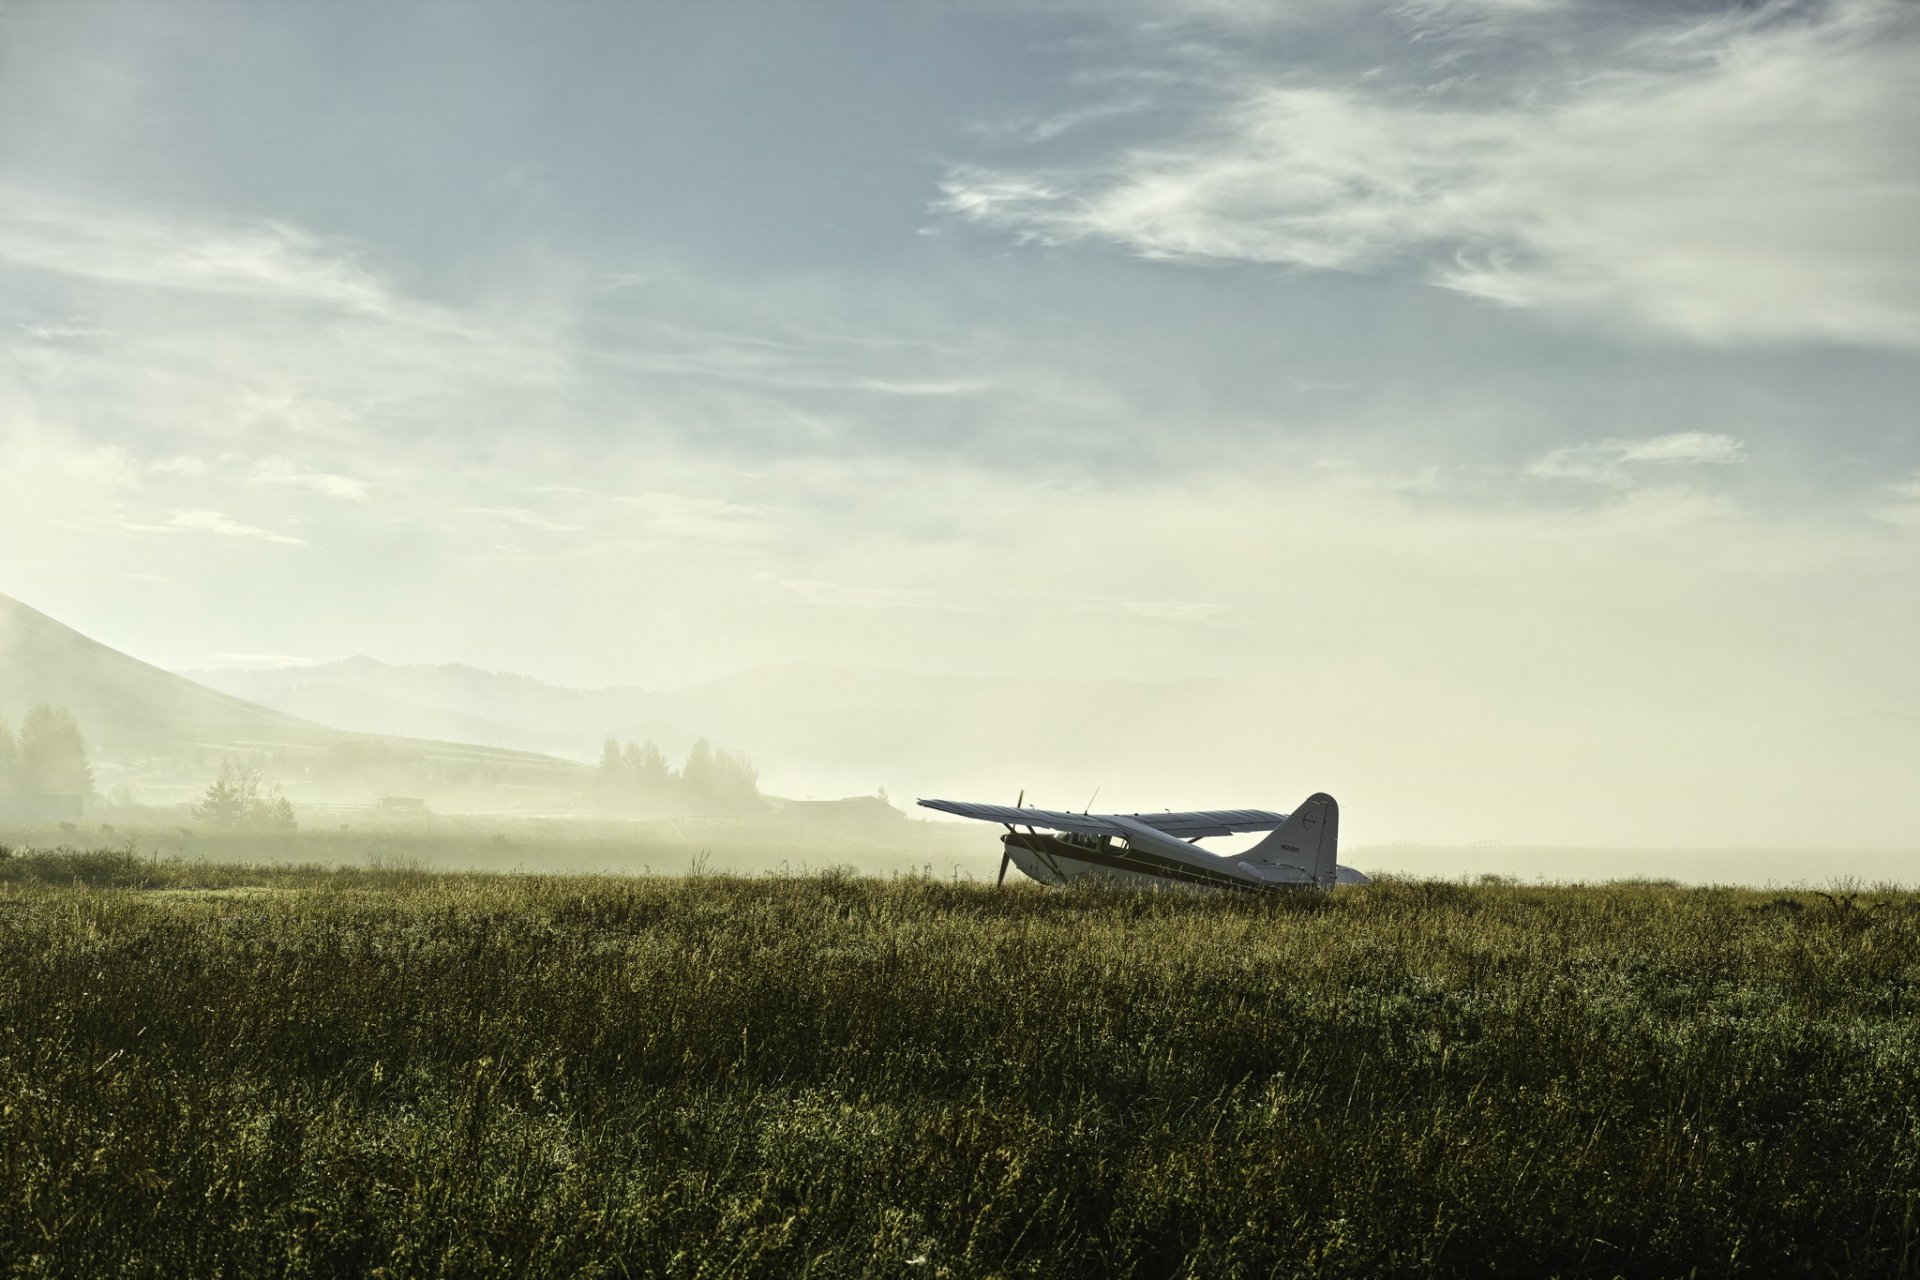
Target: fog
[(1497, 416)]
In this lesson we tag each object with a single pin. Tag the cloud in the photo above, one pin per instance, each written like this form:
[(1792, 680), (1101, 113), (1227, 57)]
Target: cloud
[(525, 519), (840, 595), (117, 245), (1901, 503), (224, 526), (1746, 178), (931, 387), (68, 330), (679, 515), (1029, 129), (249, 325), (272, 661), (1188, 611), (279, 473), (1610, 461)]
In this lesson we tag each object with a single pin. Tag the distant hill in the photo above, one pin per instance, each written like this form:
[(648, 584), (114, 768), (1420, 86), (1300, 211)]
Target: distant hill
[(144, 723), (124, 704), (829, 731), (449, 701)]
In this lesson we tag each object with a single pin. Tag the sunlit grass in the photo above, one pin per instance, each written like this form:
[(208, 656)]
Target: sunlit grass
[(469, 1074)]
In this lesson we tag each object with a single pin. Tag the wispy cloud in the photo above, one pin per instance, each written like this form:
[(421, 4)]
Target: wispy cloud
[(71, 329), (842, 596), (1745, 178), (1613, 461), (122, 246), (1193, 612), (221, 525), (524, 519), (281, 474), (679, 515), (1900, 504), (271, 661), (1029, 129)]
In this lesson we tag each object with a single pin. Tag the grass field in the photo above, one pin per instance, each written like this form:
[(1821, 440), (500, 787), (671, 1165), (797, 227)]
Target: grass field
[(217, 1070), (570, 846)]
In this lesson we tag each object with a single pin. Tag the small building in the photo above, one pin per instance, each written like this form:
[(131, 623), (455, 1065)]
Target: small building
[(401, 804), (855, 813)]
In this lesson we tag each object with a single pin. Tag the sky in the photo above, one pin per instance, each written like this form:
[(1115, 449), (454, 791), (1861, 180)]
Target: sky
[(1534, 377)]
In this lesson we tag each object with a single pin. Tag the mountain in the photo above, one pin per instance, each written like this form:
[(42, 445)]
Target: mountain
[(164, 731), (125, 705), (823, 730), (447, 700)]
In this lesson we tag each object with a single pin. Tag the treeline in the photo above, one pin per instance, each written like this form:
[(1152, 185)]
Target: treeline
[(636, 776), (47, 757)]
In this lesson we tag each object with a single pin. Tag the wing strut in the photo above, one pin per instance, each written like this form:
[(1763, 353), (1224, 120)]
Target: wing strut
[(1006, 850)]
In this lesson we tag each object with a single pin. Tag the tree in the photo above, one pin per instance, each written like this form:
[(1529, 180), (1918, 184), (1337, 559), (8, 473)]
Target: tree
[(633, 774), (647, 769), (611, 781), (726, 779), (9, 759), (235, 799), (699, 770), (52, 760)]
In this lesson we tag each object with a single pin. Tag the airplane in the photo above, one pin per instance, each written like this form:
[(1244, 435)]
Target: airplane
[(1161, 849)]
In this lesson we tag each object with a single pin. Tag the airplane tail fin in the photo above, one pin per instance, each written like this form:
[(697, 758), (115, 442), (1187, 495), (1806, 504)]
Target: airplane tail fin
[(1308, 841)]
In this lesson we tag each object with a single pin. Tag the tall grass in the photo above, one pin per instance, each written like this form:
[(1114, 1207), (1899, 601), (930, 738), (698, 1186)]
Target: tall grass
[(382, 1070)]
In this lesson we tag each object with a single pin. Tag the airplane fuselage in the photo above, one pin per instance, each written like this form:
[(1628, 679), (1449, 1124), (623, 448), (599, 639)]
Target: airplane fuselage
[(1062, 859)]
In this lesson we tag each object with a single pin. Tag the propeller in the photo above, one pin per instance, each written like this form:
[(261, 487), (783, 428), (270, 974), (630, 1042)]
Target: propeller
[(1006, 851)]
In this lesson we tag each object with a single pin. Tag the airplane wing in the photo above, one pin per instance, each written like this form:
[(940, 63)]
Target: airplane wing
[(1210, 822), (1183, 826), (1089, 824)]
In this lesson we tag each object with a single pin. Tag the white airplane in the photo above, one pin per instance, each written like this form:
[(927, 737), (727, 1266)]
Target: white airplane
[(1160, 849)]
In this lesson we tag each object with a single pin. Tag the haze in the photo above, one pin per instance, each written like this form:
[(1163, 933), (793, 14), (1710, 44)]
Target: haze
[(1497, 413)]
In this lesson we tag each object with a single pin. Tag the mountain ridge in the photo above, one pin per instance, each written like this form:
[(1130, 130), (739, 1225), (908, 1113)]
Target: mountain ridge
[(129, 709), (831, 728)]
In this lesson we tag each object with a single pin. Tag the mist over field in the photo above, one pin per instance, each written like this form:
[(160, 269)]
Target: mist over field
[(452, 768)]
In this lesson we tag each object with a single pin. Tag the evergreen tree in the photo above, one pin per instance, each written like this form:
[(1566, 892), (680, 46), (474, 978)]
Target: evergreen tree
[(235, 799), (228, 796), (724, 779), (278, 815), (611, 780), (698, 772), (739, 778), (633, 774), (52, 760), (648, 770)]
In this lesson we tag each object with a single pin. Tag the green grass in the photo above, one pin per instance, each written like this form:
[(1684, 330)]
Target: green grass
[(216, 1070)]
